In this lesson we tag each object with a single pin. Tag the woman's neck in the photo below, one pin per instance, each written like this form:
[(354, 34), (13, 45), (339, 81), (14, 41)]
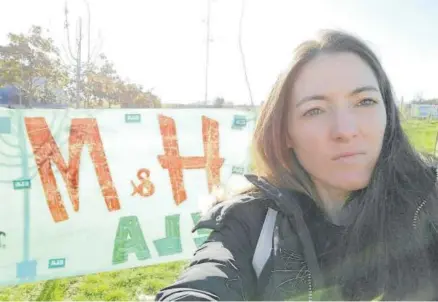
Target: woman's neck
[(333, 201)]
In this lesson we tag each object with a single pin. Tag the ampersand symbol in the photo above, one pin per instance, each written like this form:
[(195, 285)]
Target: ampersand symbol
[(146, 187)]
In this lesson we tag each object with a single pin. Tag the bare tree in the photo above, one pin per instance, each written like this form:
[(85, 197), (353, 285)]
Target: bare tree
[(15, 155), (75, 60)]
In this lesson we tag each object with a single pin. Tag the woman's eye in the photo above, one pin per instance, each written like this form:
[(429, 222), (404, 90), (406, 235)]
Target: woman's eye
[(314, 111), (367, 102)]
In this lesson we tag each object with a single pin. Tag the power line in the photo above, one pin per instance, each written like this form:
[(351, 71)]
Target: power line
[(207, 52), (243, 55)]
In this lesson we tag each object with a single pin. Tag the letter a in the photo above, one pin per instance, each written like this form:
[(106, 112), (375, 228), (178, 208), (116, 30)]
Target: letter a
[(129, 239)]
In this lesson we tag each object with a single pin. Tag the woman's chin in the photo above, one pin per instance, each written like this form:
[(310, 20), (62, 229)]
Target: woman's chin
[(352, 183)]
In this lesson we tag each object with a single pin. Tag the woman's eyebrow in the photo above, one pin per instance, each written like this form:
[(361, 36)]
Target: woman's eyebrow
[(364, 88), (324, 98)]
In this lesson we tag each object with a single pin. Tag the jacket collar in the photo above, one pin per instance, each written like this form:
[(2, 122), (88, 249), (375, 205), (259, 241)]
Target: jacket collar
[(293, 202), (287, 202)]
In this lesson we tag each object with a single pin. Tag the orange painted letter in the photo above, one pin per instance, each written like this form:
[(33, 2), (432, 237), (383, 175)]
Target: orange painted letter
[(175, 163), (83, 131)]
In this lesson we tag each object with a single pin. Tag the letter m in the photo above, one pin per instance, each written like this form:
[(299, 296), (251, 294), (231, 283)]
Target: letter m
[(82, 132)]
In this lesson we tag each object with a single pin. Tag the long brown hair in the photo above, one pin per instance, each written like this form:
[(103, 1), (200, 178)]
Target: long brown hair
[(272, 157), (400, 182)]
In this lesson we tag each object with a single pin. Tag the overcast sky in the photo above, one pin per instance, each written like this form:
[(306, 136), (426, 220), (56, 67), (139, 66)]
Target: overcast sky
[(161, 43)]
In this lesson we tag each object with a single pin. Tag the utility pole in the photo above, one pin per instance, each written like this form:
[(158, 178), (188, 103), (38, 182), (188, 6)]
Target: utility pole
[(20, 90), (78, 66), (243, 54), (207, 52), (75, 55)]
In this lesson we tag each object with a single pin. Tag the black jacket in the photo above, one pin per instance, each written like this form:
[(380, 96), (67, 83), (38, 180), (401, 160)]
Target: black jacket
[(306, 247)]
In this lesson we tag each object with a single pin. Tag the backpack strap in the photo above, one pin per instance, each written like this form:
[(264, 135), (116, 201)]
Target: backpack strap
[(264, 244)]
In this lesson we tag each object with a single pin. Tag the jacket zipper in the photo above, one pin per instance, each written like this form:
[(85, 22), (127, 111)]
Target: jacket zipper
[(422, 204), (310, 287), (414, 225), (417, 214)]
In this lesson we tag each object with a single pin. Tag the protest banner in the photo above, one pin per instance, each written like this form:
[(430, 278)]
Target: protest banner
[(86, 191)]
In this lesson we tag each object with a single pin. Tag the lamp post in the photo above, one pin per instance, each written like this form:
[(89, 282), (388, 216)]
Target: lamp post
[(207, 52)]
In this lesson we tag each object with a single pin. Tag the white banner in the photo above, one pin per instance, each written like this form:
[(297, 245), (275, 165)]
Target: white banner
[(86, 191)]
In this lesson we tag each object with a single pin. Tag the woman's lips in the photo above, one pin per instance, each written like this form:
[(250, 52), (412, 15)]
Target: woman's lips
[(347, 155)]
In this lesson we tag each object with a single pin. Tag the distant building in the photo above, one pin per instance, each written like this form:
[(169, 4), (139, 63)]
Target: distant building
[(424, 111), (8, 95)]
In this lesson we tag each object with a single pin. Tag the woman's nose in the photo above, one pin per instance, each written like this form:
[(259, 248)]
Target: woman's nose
[(344, 125)]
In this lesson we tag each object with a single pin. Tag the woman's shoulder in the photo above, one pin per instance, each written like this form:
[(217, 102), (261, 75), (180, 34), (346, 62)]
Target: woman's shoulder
[(248, 208), (242, 202)]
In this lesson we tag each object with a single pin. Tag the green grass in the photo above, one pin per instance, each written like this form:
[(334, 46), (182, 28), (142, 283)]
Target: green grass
[(124, 285), (422, 134), (129, 284)]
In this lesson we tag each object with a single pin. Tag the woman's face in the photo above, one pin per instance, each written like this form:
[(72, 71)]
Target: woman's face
[(337, 121)]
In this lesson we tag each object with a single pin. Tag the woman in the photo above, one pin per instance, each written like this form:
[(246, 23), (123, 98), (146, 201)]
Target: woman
[(342, 207)]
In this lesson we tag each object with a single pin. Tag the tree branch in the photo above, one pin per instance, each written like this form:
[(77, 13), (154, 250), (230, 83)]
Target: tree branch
[(8, 143), (10, 165), (68, 34), (35, 174), (13, 155), (69, 55)]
